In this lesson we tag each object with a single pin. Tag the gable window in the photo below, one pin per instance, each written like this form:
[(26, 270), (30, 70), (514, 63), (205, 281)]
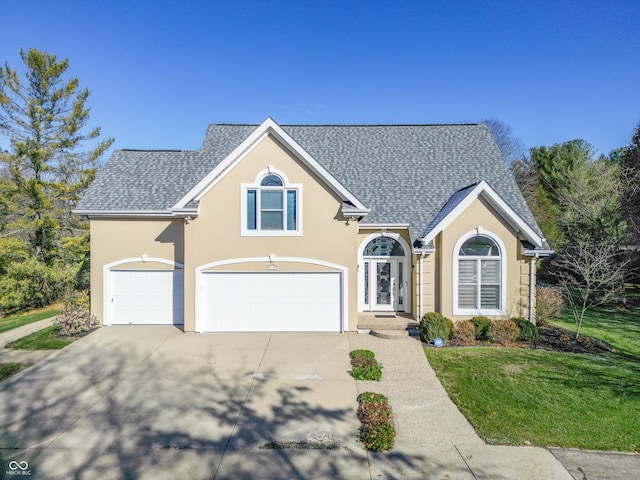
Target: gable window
[(271, 206), (479, 277)]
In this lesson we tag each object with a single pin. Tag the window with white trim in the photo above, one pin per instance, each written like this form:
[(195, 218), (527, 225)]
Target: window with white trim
[(271, 207), (480, 275)]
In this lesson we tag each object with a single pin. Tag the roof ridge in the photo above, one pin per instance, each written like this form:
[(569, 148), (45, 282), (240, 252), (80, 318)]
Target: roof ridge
[(151, 150), (459, 124)]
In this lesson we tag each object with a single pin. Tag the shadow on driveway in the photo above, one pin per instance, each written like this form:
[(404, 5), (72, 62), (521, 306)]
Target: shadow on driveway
[(151, 402)]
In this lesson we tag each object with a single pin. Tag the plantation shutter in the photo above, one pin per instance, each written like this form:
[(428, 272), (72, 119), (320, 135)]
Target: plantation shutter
[(467, 284), (490, 284)]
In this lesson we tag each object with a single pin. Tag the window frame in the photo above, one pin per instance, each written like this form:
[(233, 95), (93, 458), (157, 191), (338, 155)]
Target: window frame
[(501, 257), (285, 188)]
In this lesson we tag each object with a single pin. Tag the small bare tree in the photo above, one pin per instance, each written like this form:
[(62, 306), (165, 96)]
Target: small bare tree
[(589, 274)]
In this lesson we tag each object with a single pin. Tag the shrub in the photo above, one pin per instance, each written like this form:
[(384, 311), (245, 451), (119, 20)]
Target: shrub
[(464, 333), (377, 430), (361, 353), (32, 284), (75, 317), (481, 325), (549, 304), (528, 331), (433, 325), (364, 365), (503, 332)]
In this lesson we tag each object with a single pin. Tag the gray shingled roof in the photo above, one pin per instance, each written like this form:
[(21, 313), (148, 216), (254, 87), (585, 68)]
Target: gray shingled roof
[(403, 173), (448, 207)]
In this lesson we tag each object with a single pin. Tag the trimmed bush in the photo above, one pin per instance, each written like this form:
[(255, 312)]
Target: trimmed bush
[(549, 304), (364, 365), (361, 353), (464, 333), (481, 325), (377, 431), (503, 332), (75, 316), (528, 331), (433, 325)]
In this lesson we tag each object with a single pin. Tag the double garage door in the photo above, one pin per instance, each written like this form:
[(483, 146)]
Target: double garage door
[(270, 301), (230, 301)]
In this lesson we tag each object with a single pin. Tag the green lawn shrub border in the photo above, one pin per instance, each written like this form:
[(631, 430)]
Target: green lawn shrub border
[(377, 430), (364, 365)]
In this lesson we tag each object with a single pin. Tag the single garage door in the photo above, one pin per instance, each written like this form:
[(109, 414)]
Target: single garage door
[(271, 301), (147, 297)]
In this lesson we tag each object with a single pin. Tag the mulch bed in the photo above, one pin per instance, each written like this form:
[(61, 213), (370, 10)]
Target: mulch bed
[(552, 337)]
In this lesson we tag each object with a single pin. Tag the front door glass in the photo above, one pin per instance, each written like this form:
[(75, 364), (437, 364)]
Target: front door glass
[(383, 271)]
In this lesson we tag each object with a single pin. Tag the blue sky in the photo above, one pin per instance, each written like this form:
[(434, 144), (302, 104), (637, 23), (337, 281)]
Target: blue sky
[(161, 71)]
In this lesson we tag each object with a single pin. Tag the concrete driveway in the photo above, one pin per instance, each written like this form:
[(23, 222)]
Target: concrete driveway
[(152, 402)]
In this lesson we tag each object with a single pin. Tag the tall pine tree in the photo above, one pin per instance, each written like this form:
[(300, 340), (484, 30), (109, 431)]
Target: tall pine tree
[(44, 116), (51, 160)]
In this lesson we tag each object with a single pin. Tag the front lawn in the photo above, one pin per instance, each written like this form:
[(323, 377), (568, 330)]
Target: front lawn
[(44, 339), (519, 396), (15, 321)]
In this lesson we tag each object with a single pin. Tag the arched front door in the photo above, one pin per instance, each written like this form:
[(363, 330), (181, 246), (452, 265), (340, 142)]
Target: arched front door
[(385, 275)]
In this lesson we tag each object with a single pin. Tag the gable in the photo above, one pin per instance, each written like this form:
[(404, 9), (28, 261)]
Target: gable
[(464, 198), (269, 128)]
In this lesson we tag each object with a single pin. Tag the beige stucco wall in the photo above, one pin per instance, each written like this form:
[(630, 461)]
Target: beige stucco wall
[(215, 235), (113, 240), (480, 214)]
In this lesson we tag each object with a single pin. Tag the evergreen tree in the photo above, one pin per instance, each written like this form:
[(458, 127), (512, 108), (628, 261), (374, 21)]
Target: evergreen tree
[(44, 116)]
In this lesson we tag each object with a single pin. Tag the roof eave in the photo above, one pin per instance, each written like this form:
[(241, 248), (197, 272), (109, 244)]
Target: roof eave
[(538, 252), (135, 213)]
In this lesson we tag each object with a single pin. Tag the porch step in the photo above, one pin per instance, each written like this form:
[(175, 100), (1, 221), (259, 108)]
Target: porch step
[(401, 325), (390, 334)]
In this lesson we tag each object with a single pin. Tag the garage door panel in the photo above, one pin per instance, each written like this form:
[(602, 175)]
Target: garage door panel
[(274, 301), (147, 297)]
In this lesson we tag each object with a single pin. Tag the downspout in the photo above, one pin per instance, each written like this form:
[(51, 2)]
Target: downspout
[(532, 287), (420, 257)]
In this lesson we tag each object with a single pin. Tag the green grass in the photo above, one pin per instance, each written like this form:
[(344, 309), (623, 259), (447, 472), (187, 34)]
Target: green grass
[(15, 321), (517, 396), (41, 340), (8, 369), (620, 328)]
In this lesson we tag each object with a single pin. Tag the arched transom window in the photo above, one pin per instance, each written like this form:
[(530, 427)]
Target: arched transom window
[(479, 275), (271, 206), (383, 247)]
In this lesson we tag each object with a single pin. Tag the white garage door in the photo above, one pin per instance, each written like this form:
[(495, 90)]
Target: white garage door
[(148, 297), (271, 301)]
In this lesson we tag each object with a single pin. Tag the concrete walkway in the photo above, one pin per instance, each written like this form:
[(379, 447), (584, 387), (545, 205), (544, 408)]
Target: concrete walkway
[(434, 440), (8, 355)]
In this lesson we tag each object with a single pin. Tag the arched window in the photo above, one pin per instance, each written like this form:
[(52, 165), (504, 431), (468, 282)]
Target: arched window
[(383, 247), (479, 276), (271, 206)]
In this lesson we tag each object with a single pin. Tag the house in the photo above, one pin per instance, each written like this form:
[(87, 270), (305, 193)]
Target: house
[(306, 227)]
